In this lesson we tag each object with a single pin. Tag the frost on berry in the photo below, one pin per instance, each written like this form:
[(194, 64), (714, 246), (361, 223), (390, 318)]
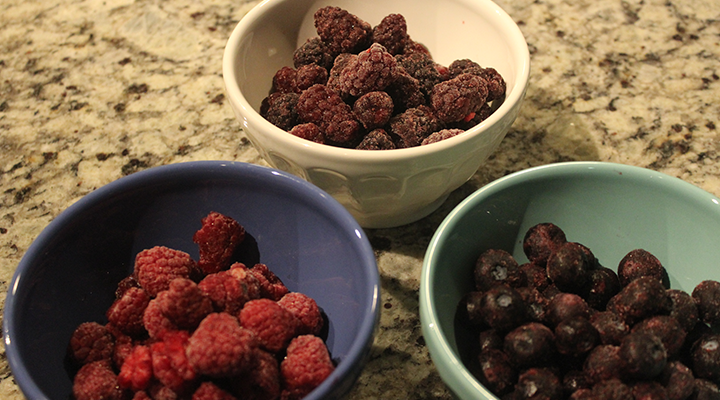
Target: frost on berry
[(273, 325), (306, 366), (279, 109), (313, 51), (262, 381), (210, 391), (229, 291), (342, 31), (157, 266), (155, 321), (441, 135), (136, 371), (126, 313), (422, 68), (329, 112), (376, 139), (96, 380), (220, 347), (495, 83), (91, 342), (184, 304), (339, 64), (413, 125), (285, 81), (170, 364), (373, 109), (306, 310), (372, 70), (391, 32), (309, 132), (308, 75), (455, 99), (405, 92), (217, 239), (271, 286)]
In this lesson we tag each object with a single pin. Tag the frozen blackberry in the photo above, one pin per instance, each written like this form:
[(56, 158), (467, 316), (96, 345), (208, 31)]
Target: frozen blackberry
[(376, 139), (423, 68), (170, 363), (495, 82), (313, 51), (683, 309), (639, 263), (308, 131), (184, 304), (495, 371), (441, 135), (568, 267), (538, 383), (305, 367), (667, 329), (126, 313), (464, 66), (279, 110), (416, 47), (391, 32), (603, 363), (413, 125), (136, 372), (706, 357), (405, 92), (91, 342), (535, 276), (531, 344), (339, 64), (678, 380), (495, 266), (455, 99), (372, 70), (308, 75), (601, 286), (610, 326), (156, 267), (273, 325), (217, 239), (329, 112), (285, 81), (342, 31), (641, 298), (648, 390), (707, 297), (575, 336), (563, 306), (503, 308), (96, 380), (271, 286), (220, 347), (541, 240), (306, 310), (373, 109), (644, 355)]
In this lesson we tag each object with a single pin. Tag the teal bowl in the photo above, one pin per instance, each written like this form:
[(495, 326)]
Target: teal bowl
[(610, 208)]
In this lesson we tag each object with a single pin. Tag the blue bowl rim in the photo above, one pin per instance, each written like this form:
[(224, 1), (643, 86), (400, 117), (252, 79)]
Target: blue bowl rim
[(356, 354), (462, 382)]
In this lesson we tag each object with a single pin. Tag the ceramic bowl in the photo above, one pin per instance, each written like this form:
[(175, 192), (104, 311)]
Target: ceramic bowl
[(379, 188), (610, 208), (69, 273)]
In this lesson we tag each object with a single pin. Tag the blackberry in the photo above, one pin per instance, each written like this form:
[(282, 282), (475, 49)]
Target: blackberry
[(342, 31), (421, 67), (372, 70), (377, 139), (285, 81), (495, 82), (459, 97), (373, 109), (473, 119), (441, 135), (313, 51), (329, 112), (308, 75), (280, 109), (416, 47), (413, 125), (405, 92), (391, 32), (339, 64), (308, 131)]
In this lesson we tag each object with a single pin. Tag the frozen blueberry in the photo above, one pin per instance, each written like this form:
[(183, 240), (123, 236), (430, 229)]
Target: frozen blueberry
[(603, 362), (706, 357), (496, 266), (683, 308), (639, 263), (538, 383), (678, 380), (541, 240), (565, 305), (667, 329), (610, 326), (568, 267), (641, 298), (707, 298), (530, 345), (469, 310), (644, 355), (649, 390), (575, 336), (503, 308), (601, 286), (495, 371)]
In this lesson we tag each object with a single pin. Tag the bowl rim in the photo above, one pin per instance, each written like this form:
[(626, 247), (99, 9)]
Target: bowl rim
[(367, 328), (460, 380), (323, 151)]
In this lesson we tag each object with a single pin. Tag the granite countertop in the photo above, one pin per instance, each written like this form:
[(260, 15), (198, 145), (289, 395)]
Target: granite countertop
[(93, 90)]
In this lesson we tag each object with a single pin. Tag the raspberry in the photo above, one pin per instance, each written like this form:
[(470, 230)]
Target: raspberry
[(158, 391), (285, 81), (184, 304), (308, 75), (137, 370), (126, 313), (155, 321), (96, 380), (220, 347), (169, 362), (454, 99), (228, 293), (141, 395), (373, 109), (124, 345), (262, 382), (279, 109), (91, 342), (273, 325), (313, 51), (210, 391), (391, 32), (217, 239), (372, 70), (309, 132), (271, 287), (377, 139), (156, 267), (305, 367), (341, 31), (405, 92), (329, 112), (441, 135), (421, 67), (306, 310), (413, 125)]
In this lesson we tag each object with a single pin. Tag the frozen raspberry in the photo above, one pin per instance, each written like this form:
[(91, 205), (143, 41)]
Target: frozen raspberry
[(603, 363), (541, 240), (285, 81), (495, 371), (156, 322), (313, 51), (422, 68), (496, 266), (273, 325), (667, 329), (124, 345), (126, 283), (706, 357), (309, 75), (229, 290), (184, 304), (126, 313), (373, 109), (156, 267), (170, 363), (305, 367), (309, 132), (271, 286), (565, 305), (217, 239), (91, 342), (210, 391), (683, 309), (96, 380), (372, 70), (329, 112), (707, 297), (391, 32), (641, 298), (644, 355), (455, 99), (678, 380), (376, 139), (441, 135), (341, 31), (568, 267), (141, 395), (220, 347), (529, 345), (413, 125), (639, 263), (137, 370), (610, 326), (279, 109), (262, 382), (248, 279), (158, 391), (405, 92), (503, 308), (538, 383), (306, 310), (601, 286)]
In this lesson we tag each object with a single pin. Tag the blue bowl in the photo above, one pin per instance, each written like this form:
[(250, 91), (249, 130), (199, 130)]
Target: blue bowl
[(610, 208), (69, 273)]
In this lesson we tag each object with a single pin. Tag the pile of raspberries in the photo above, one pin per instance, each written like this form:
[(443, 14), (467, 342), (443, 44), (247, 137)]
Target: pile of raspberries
[(563, 326), (207, 330), (374, 88)]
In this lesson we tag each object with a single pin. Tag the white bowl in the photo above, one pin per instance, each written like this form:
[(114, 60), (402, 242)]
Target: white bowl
[(382, 188)]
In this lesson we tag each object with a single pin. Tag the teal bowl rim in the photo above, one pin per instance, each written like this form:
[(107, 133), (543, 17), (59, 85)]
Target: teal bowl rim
[(450, 367)]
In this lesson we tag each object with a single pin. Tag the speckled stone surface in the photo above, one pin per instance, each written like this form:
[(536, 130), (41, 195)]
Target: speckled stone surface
[(92, 90)]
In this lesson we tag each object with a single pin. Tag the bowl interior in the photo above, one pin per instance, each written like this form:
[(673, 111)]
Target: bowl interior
[(610, 208), (69, 273)]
